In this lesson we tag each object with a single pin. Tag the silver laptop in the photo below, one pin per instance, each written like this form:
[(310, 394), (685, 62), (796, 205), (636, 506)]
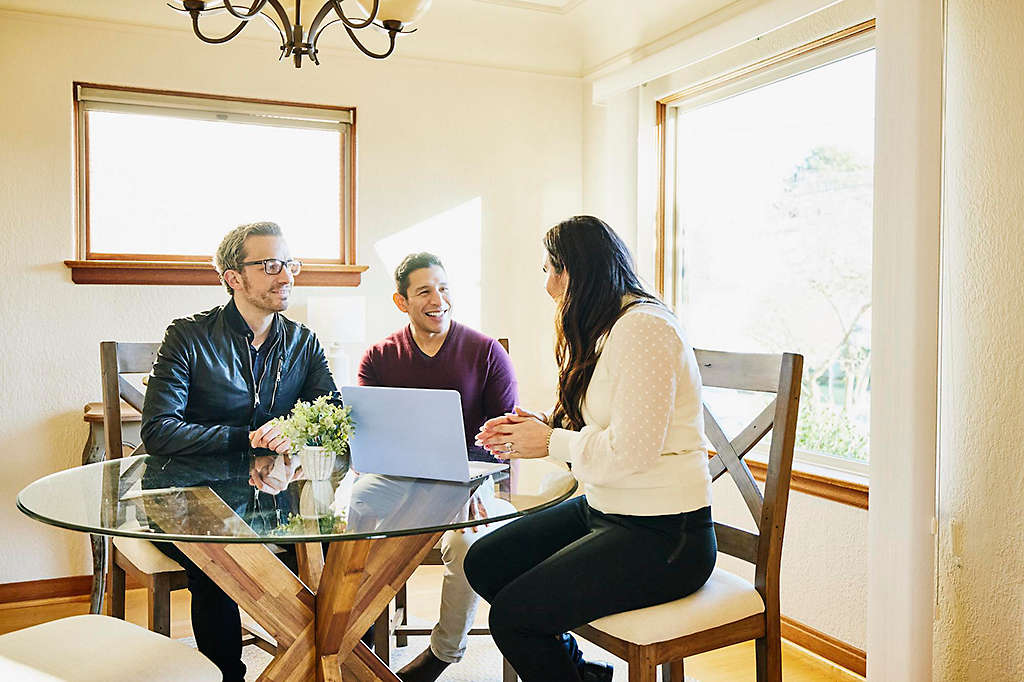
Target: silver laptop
[(413, 432)]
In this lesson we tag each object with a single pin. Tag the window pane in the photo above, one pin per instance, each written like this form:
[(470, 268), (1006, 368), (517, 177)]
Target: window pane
[(164, 185), (774, 215)]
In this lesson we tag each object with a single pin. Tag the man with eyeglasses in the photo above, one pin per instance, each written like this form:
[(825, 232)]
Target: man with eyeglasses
[(219, 378)]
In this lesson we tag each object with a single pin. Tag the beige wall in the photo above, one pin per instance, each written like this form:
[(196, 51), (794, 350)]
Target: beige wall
[(979, 629), (432, 137), (824, 564)]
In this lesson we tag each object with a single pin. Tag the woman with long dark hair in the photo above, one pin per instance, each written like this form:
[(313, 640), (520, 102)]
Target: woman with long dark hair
[(629, 420)]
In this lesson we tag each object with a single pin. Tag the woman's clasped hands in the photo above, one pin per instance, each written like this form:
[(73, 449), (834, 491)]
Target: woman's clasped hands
[(517, 434)]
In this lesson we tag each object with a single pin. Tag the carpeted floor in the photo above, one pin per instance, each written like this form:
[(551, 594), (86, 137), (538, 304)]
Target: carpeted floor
[(482, 662)]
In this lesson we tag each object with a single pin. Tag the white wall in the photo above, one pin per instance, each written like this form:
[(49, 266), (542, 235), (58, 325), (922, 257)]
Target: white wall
[(431, 137), (824, 563), (979, 629)]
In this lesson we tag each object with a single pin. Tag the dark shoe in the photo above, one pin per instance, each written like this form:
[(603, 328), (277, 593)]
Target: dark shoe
[(591, 671), (424, 668)]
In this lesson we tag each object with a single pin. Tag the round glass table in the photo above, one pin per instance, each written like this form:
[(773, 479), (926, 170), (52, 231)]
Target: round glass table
[(222, 511)]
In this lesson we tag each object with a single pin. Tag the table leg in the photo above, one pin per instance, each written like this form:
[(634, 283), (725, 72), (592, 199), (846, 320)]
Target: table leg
[(317, 634), (364, 666), (360, 579), (310, 559), (269, 592)]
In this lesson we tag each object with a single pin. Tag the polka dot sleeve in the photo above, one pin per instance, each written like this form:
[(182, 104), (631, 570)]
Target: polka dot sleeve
[(645, 353)]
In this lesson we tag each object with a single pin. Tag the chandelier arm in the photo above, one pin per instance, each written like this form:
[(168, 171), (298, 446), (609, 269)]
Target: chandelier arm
[(285, 25), (316, 39), (355, 39), (336, 4), (315, 29), (254, 9), (195, 25), (215, 41), (280, 33)]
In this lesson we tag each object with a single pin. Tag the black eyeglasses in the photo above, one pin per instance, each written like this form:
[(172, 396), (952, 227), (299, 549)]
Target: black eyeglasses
[(272, 266)]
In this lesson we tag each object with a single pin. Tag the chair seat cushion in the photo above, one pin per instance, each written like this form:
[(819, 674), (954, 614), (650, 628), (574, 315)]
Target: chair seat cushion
[(723, 599), (145, 556), (99, 649)]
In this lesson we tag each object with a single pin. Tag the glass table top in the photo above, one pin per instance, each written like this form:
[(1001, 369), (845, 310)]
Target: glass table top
[(214, 498)]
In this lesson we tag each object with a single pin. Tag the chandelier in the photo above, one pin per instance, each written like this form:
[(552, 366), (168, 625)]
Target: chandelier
[(299, 36)]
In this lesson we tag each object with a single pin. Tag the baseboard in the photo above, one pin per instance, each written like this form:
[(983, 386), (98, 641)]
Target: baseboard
[(51, 588), (828, 647)]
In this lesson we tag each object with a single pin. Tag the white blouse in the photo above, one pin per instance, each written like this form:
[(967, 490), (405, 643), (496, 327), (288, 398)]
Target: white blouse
[(642, 450)]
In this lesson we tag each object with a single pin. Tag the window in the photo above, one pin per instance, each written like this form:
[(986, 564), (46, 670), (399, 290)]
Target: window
[(163, 176), (769, 183)]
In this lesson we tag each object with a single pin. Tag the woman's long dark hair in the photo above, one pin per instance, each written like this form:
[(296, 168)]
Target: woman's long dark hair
[(601, 273)]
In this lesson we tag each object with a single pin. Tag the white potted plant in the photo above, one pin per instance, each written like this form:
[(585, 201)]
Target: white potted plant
[(319, 433)]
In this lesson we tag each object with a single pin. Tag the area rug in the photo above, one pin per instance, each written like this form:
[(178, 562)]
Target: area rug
[(482, 662)]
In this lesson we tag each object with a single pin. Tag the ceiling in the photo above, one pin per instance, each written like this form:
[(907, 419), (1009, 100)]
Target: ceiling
[(565, 37)]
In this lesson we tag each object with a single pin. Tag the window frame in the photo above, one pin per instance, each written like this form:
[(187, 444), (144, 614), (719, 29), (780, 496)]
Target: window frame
[(91, 267), (815, 473)]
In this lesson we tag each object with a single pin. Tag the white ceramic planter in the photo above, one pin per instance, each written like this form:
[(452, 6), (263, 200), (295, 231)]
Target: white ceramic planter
[(317, 462)]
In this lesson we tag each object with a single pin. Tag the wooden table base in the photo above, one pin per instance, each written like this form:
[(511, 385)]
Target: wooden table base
[(319, 616)]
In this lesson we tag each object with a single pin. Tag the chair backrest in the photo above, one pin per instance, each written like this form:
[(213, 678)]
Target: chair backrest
[(778, 374), (117, 359)]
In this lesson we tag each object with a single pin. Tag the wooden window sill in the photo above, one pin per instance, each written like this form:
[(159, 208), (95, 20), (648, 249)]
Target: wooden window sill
[(193, 273), (823, 482)]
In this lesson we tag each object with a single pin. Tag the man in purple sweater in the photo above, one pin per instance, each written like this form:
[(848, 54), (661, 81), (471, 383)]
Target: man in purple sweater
[(433, 351)]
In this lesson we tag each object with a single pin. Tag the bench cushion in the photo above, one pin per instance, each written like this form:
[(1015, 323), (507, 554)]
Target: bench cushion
[(95, 648)]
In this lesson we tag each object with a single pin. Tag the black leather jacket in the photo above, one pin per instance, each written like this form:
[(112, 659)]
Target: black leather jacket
[(202, 397)]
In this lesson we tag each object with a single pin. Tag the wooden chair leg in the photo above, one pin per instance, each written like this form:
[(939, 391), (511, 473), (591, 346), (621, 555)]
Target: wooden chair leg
[(159, 602), (642, 665), (382, 636), (672, 672), (642, 673), (401, 602), (768, 651), (508, 673), (117, 580)]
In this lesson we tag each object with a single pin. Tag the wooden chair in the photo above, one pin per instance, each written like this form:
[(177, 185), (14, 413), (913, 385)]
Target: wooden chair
[(134, 557), (397, 622), (728, 609), (141, 560)]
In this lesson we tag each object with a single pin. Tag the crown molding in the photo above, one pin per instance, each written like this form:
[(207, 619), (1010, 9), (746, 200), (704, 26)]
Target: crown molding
[(712, 34), (563, 9)]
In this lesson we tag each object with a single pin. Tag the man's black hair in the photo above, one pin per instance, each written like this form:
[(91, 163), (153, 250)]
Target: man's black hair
[(411, 263)]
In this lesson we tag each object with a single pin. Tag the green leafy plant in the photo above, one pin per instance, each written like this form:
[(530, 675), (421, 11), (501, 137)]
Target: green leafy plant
[(829, 429), (320, 423), (326, 524)]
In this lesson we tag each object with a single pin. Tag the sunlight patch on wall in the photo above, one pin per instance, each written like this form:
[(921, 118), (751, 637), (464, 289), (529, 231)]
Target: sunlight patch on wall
[(454, 236)]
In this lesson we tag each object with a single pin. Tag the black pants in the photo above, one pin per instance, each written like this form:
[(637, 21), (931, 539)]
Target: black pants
[(215, 619), (555, 570)]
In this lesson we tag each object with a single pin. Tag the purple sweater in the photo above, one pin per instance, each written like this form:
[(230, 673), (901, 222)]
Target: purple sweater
[(469, 362)]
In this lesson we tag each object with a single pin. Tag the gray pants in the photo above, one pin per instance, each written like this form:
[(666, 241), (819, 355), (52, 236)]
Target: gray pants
[(458, 600)]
